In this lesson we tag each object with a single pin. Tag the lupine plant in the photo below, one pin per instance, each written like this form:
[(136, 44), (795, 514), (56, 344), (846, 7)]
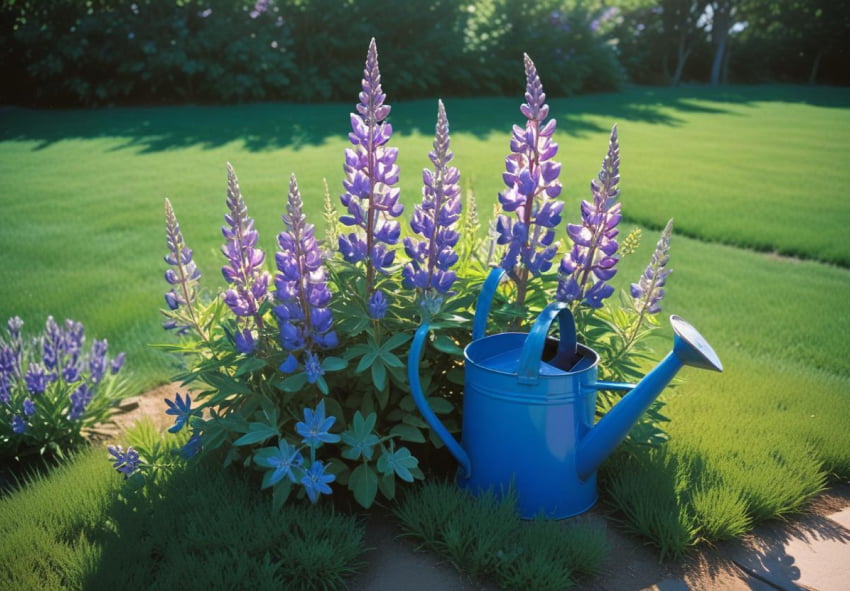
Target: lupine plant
[(52, 388), (532, 179), (303, 378)]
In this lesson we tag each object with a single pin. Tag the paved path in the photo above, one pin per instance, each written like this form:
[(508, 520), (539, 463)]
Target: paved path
[(809, 552)]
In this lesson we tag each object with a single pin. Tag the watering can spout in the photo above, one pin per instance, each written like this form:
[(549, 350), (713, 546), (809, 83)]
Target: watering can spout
[(689, 348)]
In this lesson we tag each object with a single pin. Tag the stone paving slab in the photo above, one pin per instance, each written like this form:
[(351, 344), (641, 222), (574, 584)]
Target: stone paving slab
[(742, 583), (842, 518), (810, 553)]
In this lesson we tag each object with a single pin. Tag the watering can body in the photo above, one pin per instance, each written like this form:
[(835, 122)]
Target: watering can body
[(529, 407), (526, 435)]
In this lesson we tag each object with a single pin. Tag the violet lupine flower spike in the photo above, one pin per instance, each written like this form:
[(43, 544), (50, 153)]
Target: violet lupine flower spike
[(244, 268), (183, 276), (649, 290), (435, 219), (370, 173), (532, 180), (593, 258), (305, 320)]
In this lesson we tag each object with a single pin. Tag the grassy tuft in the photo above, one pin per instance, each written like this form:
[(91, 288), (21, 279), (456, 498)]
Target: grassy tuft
[(72, 529), (484, 537)]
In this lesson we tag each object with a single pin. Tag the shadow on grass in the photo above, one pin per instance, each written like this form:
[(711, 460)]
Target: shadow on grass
[(206, 528), (269, 126)]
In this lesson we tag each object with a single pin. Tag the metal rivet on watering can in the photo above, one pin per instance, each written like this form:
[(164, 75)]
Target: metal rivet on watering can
[(529, 403)]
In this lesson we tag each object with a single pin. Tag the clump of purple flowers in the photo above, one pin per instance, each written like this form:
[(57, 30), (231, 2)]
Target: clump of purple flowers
[(244, 268), (371, 200), (48, 384), (649, 290), (306, 322), (183, 276), (592, 260), (532, 180), (429, 270)]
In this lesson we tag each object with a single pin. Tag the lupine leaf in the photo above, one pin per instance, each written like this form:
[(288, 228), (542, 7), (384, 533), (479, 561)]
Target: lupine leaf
[(367, 360), (446, 345), (293, 383), (387, 485), (259, 432), (391, 360), (379, 374), (408, 433), (250, 365), (364, 484), (395, 341), (280, 493), (334, 364)]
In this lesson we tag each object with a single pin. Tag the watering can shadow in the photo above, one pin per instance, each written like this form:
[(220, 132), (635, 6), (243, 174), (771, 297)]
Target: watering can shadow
[(529, 403)]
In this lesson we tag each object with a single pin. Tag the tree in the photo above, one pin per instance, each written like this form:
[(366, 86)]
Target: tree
[(680, 25), (721, 18)]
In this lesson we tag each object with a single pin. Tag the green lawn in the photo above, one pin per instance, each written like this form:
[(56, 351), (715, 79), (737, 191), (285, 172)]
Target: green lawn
[(81, 194), (752, 176)]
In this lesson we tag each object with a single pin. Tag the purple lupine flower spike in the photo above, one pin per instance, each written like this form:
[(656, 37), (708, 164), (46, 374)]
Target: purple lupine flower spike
[(531, 177), (371, 200), (435, 219), (649, 290), (244, 268), (302, 290), (183, 276), (377, 305), (592, 261)]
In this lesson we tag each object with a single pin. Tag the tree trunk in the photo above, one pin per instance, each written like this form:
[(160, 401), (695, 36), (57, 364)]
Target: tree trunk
[(813, 75), (720, 36), (682, 54)]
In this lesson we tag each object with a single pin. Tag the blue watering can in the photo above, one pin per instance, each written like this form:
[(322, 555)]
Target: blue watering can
[(529, 403)]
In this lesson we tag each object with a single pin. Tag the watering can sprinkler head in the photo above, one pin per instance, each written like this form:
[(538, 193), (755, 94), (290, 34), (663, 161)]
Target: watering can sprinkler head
[(691, 348)]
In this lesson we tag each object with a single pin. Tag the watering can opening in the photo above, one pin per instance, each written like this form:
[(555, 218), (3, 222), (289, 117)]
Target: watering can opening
[(580, 359)]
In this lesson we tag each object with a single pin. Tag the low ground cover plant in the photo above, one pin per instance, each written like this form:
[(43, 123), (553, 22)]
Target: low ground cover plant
[(301, 374), (52, 388), (77, 527), (484, 538)]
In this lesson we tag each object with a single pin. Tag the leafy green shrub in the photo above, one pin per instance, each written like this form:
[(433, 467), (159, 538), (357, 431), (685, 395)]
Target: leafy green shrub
[(118, 51), (51, 389), (483, 537), (112, 51)]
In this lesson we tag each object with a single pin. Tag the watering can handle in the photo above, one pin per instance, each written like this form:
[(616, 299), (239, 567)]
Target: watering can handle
[(485, 299), (532, 351), (419, 398)]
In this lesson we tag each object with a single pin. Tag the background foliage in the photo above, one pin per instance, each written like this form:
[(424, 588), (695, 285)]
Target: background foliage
[(118, 51), (93, 52)]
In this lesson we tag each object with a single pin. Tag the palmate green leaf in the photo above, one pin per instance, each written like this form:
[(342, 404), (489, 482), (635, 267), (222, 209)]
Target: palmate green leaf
[(400, 461), (334, 363), (293, 383), (280, 493), (367, 360), (444, 344), (360, 438), (408, 433), (391, 360), (386, 484), (364, 484), (396, 341), (258, 432), (249, 365), (379, 375)]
